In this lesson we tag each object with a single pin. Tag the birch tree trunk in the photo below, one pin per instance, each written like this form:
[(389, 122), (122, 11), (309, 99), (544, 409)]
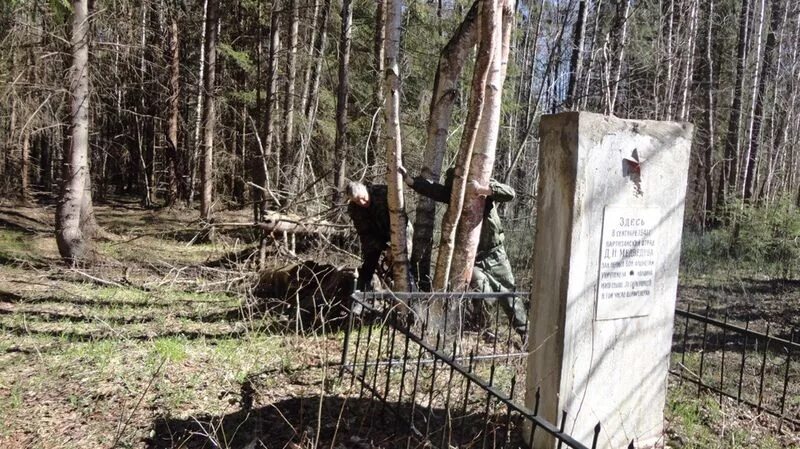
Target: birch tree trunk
[(777, 122), (669, 94), (292, 159), (342, 92), (708, 153), (319, 53), (198, 122), (488, 22), (270, 100), (727, 180), (394, 147), (209, 119), (758, 98), (73, 245), (445, 92), (312, 43), (758, 24), (378, 50), (482, 163), (689, 67)]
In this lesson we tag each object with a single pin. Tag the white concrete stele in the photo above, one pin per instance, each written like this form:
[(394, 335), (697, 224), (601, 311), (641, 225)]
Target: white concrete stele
[(609, 220)]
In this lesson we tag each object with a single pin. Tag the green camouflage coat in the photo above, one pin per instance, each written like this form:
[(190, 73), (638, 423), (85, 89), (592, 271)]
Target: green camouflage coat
[(491, 229)]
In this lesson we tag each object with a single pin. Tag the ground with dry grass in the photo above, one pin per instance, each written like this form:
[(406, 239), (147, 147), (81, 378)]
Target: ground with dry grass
[(159, 343), (156, 330)]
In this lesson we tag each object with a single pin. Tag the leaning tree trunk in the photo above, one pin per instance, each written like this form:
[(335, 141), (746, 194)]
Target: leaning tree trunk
[(482, 164), (209, 119), (73, 245), (445, 92), (340, 143), (489, 19)]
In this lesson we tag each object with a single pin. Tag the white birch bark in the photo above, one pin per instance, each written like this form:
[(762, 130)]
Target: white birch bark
[(482, 163), (445, 92), (394, 152), (198, 121), (489, 23)]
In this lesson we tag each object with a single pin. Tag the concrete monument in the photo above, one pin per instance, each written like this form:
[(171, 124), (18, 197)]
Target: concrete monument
[(609, 220)]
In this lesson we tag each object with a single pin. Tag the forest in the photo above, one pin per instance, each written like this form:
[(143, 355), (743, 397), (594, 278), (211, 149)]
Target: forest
[(272, 106), (161, 160)]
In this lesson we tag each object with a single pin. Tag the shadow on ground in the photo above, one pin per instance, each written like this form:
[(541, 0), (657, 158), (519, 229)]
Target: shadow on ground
[(327, 422)]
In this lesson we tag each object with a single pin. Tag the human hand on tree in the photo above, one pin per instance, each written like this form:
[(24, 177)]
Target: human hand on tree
[(482, 190), (406, 177)]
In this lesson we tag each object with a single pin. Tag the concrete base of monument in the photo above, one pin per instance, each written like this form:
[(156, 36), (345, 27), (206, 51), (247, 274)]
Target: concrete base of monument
[(610, 215)]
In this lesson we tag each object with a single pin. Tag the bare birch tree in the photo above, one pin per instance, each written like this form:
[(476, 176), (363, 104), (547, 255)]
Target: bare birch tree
[(288, 149), (482, 163), (394, 148), (378, 50), (445, 92), (489, 24), (198, 122), (758, 98), (342, 93)]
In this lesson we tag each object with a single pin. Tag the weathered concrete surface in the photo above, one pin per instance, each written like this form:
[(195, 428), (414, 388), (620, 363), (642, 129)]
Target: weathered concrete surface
[(606, 364)]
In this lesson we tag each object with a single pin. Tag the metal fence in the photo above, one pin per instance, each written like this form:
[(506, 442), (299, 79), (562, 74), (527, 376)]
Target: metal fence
[(743, 363), (464, 388)]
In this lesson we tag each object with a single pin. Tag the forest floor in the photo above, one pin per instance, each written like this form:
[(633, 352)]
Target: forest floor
[(158, 344)]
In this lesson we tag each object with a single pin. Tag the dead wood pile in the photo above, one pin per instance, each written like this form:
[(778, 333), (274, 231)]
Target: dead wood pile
[(312, 293)]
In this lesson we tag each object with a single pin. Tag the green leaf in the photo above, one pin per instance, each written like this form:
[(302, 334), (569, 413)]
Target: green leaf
[(240, 58)]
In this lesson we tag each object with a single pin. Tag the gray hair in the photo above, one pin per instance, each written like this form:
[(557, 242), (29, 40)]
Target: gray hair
[(355, 188)]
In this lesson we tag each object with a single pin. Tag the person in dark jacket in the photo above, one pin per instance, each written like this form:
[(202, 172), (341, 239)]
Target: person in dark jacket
[(369, 210), (492, 271)]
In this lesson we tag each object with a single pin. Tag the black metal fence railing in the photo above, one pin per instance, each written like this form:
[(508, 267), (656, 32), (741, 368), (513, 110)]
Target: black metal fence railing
[(759, 369), (463, 388)]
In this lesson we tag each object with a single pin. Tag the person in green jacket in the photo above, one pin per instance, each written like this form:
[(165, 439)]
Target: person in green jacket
[(369, 209), (492, 271)]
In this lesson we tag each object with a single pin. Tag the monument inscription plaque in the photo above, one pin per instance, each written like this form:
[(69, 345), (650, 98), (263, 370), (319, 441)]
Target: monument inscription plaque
[(627, 262)]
